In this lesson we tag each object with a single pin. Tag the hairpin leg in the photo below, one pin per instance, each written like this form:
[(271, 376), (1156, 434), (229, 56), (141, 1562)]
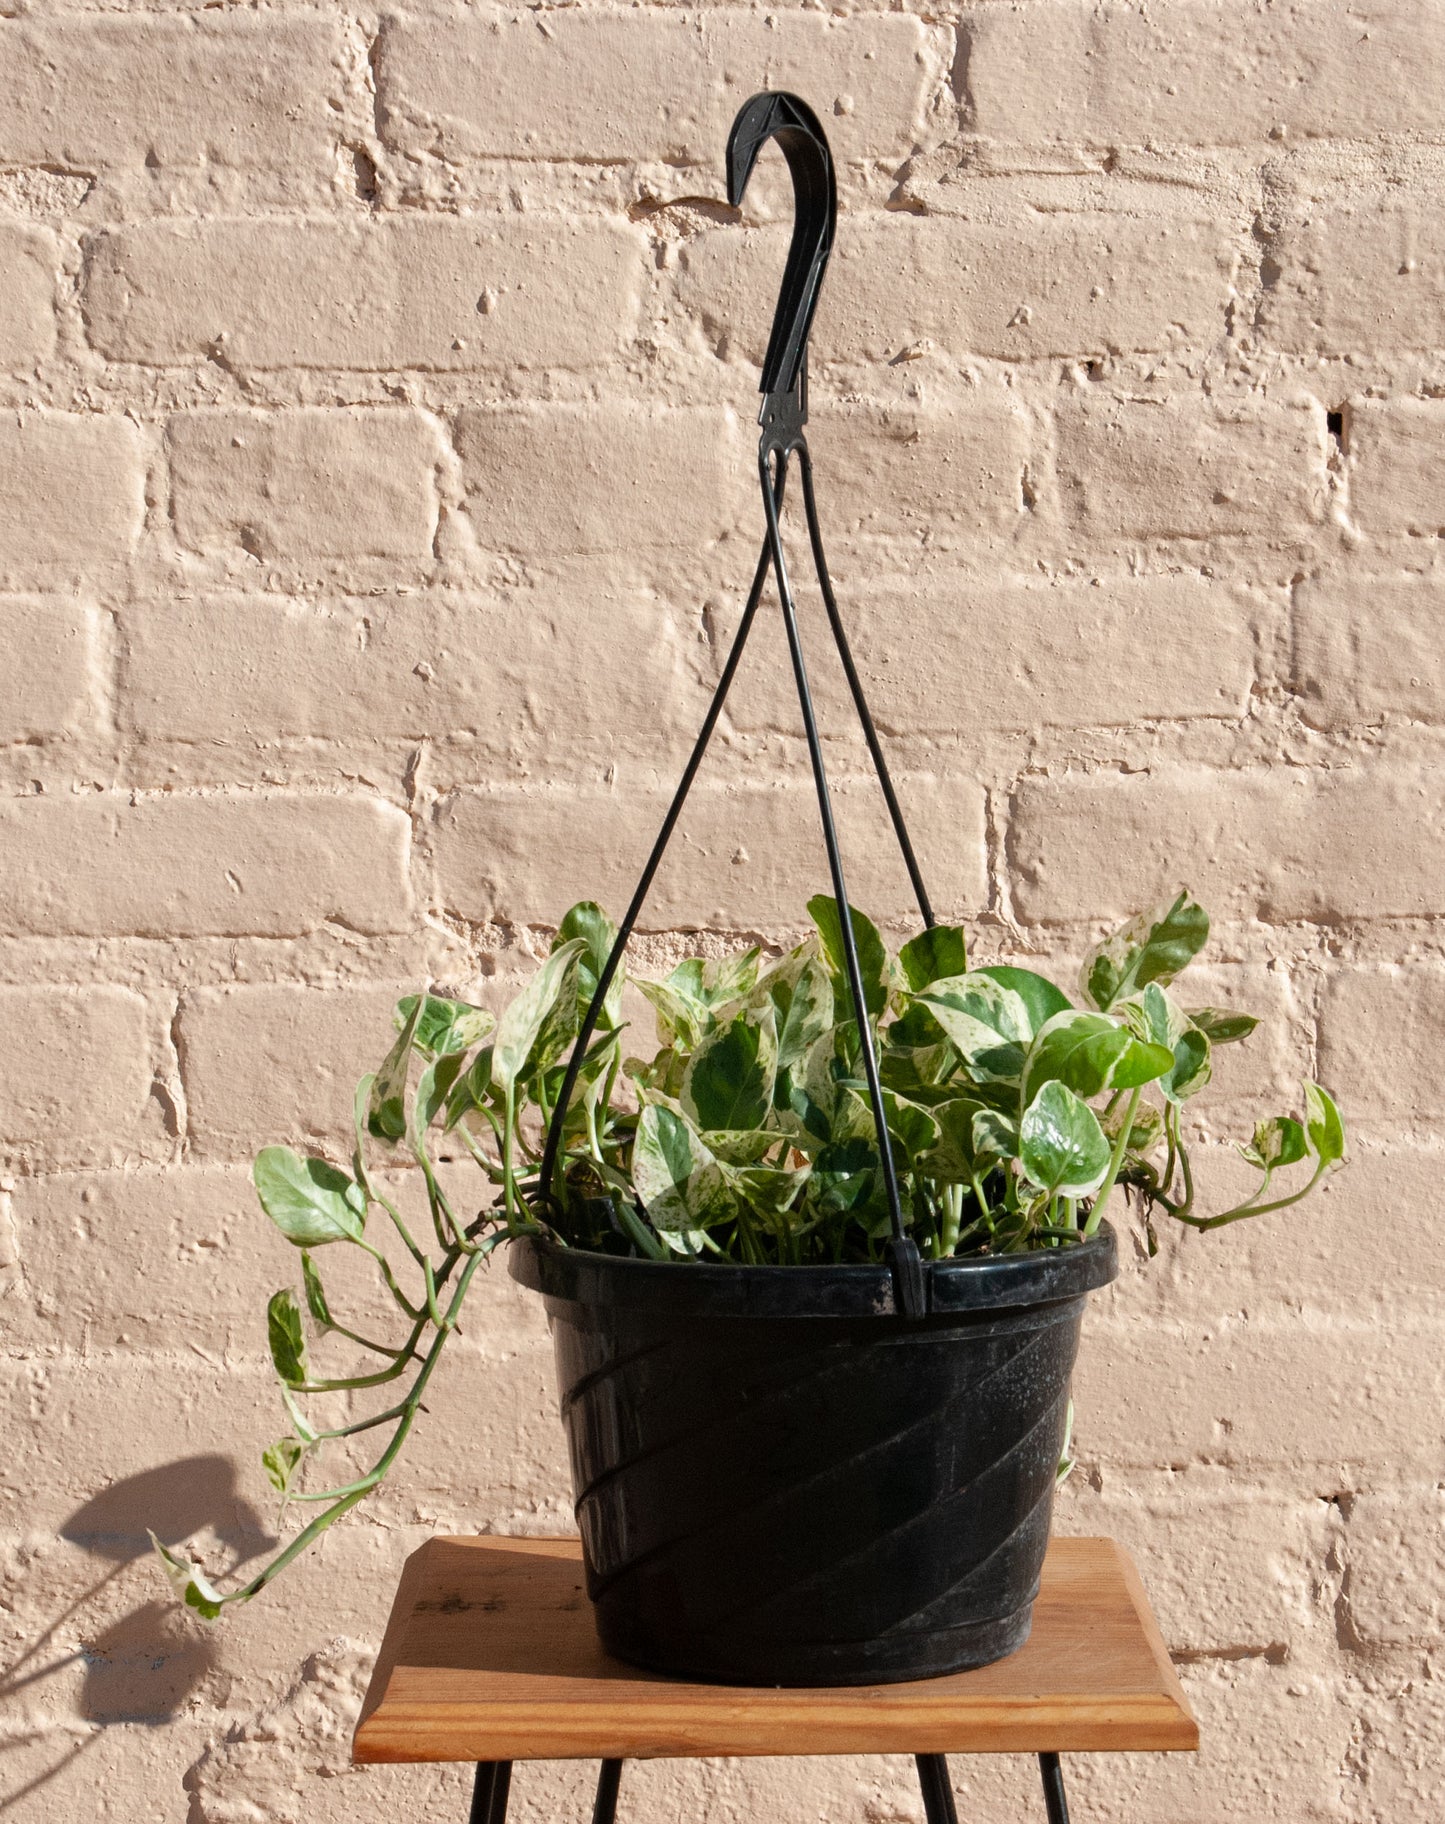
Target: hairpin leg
[(608, 1780), (1055, 1803), (937, 1788), (489, 1795)]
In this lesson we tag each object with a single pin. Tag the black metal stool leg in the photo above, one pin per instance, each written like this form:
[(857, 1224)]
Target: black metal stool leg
[(489, 1795), (1055, 1803), (608, 1780), (937, 1788)]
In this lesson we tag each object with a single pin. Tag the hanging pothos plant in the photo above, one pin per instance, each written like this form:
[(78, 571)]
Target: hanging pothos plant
[(1014, 1118)]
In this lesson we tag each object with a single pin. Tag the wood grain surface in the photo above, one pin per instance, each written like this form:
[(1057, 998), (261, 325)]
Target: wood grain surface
[(491, 1654)]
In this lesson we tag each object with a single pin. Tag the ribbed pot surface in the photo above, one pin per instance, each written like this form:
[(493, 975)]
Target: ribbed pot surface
[(779, 1481)]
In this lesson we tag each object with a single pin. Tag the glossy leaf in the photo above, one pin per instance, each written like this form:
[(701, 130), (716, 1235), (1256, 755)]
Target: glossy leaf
[(995, 1137), (932, 955), (729, 1081), (682, 1018), (987, 1022), (951, 1160), (1153, 947), (287, 1340), (1323, 1126), (1089, 1053), (281, 1461), (386, 1112), (809, 1014), (315, 1293), (1040, 997), (445, 1026), (190, 1585), (549, 1001), (1061, 1145), (311, 1202), (1220, 1027), (873, 964), (679, 1181), (1153, 1015), (589, 922), (1278, 1142)]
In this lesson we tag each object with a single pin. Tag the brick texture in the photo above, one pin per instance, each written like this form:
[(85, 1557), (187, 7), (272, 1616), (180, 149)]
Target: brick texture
[(378, 498), (201, 866), (71, 492), (306, 485), (438, 294)]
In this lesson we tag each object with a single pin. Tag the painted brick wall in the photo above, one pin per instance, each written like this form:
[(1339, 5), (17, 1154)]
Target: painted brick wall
[(375, 500)]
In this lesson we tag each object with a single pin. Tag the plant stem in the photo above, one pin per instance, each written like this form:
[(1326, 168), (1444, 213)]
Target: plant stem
[(1116, 1159)]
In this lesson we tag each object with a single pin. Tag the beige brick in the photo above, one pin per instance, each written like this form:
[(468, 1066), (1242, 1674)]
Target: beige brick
[(646, 84), (305, 485), (1367, 648), (1395, 466), (1007, 654), (275, 1063), (75, 1073), (511, 674), (1394, 1554), (72, 491), (1354, 277), (1275, 843), (1230, 1569), (440, 293), (1388, 1192), (199, 89), (1381, 1032), (1191, 469), (269, 865), (78, 1425), (741, 858), (1066, 284), (1288, 1392), (28, 261), (953, 473), (1398, 1727), (618, 477), (1199, 73), (45, 686)]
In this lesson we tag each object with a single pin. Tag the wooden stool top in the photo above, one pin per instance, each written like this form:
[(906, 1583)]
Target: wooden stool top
[(491, 1655)]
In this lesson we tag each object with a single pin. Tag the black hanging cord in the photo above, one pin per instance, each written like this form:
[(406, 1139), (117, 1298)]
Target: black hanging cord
[(783, 415)]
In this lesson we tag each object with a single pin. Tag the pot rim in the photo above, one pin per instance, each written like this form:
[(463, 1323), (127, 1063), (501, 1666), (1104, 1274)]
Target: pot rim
[(1000, 1282)]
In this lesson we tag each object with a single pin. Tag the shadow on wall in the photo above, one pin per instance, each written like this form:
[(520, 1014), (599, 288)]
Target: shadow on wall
[(142, 1667)]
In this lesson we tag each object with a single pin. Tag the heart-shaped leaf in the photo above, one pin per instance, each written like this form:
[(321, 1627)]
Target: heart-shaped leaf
[(288, 1343), (938, 952), (589, 922), (1153, 947), (681, 1184), (729, 1079), (1089, 1053), (1061, 1145), (1323, 1126), (873, 964), (445, 1026), (308, 1200), (545, 1010)]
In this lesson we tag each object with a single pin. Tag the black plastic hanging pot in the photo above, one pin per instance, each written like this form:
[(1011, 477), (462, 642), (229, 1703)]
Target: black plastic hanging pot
[(780, 1481)]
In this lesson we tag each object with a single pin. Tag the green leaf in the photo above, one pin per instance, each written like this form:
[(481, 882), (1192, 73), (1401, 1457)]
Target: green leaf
[(386, 1113), (1088, 1053), (769, 1191), (188, 1583), (994, 1137), (310, 1201), (1281, 1141), (1323, 1126), (986, 1021), (847, 1180), (281, 1461), (914, 1128), (1154, 1017), (1153, 947), (445, 1026), (809, 1013), (1222, 1028), (472, 1089), (1061, 1145), (682, 1018), (288, 1343), (681, 1184), (1037, 993), (872, 955), (589, 922), (729, 1079), (547, 1005), (315, 1294), (932, 955), (433, 1090), (740, 1146), (951, 1160)]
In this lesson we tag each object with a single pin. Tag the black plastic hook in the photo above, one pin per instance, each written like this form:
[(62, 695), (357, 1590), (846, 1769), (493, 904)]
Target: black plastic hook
[(789, 120)]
